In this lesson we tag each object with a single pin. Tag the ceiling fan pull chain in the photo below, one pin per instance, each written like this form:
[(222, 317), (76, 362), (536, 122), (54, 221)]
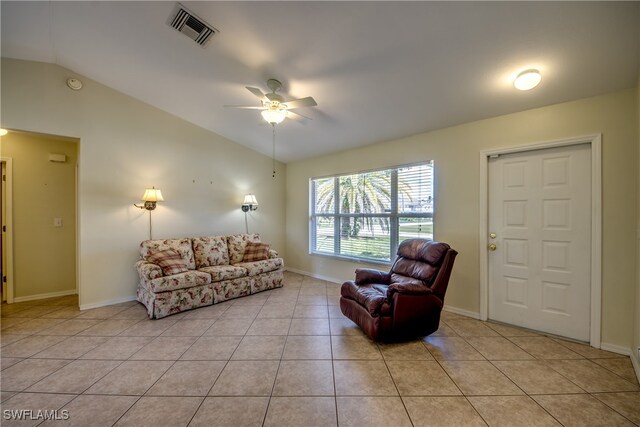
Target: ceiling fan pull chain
[(273, 154)]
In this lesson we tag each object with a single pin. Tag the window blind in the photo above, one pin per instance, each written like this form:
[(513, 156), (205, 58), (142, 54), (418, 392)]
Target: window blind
[(363, 216)]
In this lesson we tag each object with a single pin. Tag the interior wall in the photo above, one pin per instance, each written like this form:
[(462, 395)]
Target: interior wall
[(635, 349), (44, 255), (455, 151), (127, 146)]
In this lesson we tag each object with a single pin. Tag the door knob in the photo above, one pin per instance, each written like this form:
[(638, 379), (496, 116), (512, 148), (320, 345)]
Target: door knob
[(493, 235), (492, 247)]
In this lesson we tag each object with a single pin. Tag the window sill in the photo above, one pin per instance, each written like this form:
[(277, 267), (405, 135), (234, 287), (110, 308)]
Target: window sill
[(352, 259)]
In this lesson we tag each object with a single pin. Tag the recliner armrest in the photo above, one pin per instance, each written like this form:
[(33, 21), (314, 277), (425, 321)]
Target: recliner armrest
[(408, 289), (368, 275)]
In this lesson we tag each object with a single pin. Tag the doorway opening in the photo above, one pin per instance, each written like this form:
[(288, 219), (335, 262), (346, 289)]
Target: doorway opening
[(39, 207)]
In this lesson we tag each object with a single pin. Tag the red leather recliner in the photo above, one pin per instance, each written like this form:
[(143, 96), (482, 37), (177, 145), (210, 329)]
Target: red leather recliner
[(407, 301)]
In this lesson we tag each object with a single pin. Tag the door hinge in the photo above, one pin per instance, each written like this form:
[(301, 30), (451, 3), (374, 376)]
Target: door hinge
[(4, 177), (4, 279), (4, 228)]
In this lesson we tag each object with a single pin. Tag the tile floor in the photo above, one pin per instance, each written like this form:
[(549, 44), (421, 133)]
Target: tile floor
[(288, 357)]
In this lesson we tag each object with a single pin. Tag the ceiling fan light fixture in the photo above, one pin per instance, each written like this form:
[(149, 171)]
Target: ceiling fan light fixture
[(274, 116), (527, 79)]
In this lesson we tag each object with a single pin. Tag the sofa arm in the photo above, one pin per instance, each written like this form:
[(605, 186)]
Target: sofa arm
[(408, 289), (148, 271), (273, 254), (368, 275)]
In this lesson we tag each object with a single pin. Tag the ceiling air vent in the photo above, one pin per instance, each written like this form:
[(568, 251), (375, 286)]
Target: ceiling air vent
[(190, 25)]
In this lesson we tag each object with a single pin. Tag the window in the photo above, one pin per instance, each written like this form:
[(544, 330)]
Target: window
[(363, 216)]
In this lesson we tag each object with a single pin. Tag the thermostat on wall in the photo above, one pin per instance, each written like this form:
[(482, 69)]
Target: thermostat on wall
[(57, 158)]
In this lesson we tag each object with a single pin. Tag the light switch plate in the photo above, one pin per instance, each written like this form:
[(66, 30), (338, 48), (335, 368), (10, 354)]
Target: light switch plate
[(57, 222)]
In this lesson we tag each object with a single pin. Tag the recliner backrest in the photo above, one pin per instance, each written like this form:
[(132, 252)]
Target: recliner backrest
[(418, 261)]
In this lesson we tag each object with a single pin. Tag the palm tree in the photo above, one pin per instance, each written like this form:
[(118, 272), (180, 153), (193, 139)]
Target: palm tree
[(364, 193), (359, 193), (324, 195)]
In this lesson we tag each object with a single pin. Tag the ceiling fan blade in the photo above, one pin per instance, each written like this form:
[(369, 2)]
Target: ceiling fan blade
[(246, 107), (297, 117), (257, 92), (273, 97), (302, 102)]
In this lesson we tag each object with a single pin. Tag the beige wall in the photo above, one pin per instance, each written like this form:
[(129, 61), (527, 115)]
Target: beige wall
[(456, 154), (126, 146), (635, 349), (44, 255)]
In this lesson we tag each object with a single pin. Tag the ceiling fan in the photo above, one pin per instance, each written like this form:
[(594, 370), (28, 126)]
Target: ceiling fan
[(274, 108)]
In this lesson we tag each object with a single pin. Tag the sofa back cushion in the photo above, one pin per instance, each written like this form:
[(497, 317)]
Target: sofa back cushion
[(170, 261), (237, 244), (182, 246), (210, 251)]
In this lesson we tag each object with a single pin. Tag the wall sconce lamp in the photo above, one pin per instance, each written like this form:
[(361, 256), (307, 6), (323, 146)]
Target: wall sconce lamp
[(150, 198), (249, 204)]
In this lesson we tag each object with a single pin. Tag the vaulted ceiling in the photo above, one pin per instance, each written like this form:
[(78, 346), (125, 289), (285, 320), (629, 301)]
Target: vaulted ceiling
[(378, 70)]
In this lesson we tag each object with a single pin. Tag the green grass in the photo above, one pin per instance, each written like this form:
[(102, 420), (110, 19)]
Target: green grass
[(366, 244)]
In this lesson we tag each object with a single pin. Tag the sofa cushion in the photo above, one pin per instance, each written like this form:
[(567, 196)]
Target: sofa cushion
[(183, 246), (236, 245), (210, 251), (169, 261), (179, 281), (372, 297), (224, 272), (258, 267), (255, 251)]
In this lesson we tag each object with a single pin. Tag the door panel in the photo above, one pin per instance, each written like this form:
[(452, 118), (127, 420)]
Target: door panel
[(540, 210)]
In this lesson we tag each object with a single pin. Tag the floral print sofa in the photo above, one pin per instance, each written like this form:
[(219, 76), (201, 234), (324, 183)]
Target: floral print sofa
[(216, 273)]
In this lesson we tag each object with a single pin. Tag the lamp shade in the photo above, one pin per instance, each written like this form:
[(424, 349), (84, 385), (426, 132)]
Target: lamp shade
[(152, 195), (250, 199), (274, 116)]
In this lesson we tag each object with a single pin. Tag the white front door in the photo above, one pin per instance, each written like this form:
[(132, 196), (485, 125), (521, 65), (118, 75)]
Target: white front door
[(540, 224)]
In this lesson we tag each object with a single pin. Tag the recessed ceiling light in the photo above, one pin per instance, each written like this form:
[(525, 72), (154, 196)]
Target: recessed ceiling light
[(527, 80), (3, 132)]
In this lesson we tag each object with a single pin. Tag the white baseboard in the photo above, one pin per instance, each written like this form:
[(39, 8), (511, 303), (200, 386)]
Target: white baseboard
[(108, 302), (462, 312), (45, 296), (315, 276), (615, 349)]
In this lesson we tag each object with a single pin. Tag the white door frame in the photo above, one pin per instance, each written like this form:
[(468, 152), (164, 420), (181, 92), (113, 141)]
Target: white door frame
[(595, 143), (8, 250)]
